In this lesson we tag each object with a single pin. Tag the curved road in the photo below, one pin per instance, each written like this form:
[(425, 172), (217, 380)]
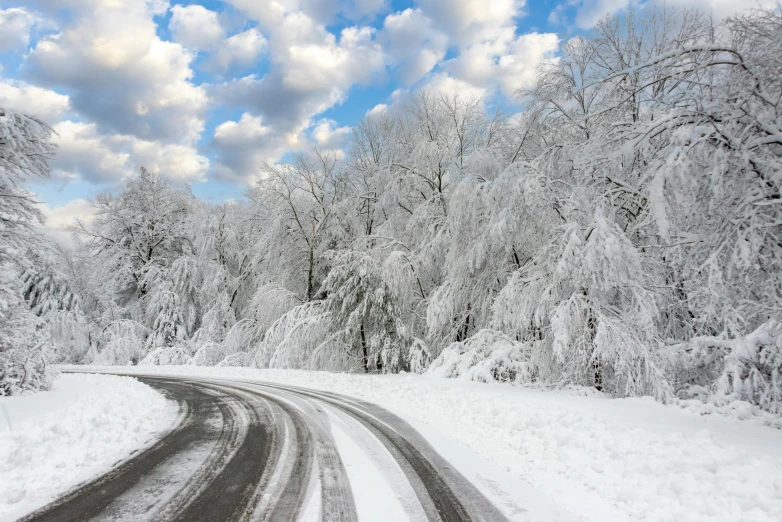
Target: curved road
[(249, 451)]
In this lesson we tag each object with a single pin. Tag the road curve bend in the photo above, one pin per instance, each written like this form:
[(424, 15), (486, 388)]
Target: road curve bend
[(249, 451)]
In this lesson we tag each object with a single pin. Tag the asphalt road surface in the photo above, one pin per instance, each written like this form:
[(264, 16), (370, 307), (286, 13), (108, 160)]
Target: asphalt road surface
[(249, 451)]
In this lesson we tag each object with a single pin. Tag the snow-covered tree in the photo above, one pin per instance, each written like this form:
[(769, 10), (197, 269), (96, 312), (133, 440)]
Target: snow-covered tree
[(622, 231), (25, 151), (362, 311)]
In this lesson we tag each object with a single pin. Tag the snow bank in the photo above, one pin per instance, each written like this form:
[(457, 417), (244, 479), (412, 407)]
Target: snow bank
[(63, 437), (600, 459)]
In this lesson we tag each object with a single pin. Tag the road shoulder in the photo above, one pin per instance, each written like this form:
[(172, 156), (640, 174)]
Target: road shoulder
[(66, 436)]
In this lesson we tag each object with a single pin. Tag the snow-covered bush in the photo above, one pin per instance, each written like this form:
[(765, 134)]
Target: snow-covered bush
[(121, 342), (753, 369), (420, 357), (721, 370), (487, 356), (302, 339)]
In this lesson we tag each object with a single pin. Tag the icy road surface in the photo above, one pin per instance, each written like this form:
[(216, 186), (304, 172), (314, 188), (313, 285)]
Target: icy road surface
[(249, 451)]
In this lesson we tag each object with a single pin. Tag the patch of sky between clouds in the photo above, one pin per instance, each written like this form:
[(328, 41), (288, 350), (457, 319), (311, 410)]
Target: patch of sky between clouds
[(535, 16), (359, 100), (216, 191), (56, 194)]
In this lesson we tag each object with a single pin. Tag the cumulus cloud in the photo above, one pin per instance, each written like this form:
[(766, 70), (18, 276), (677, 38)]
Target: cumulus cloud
[(325, 64), (470, 21), (508, 61), (490, 55), (312, 66), (85, 153), (60, 217), (243, 147), (446, 86), (32, 100), (121, 75), (589, 12), (195, 27), (16, 24), (311, 71), (517, 68), (329, 136), (240, 49), (721, 9), (413, 43), (380, 108), (323, 12), (174, 161)]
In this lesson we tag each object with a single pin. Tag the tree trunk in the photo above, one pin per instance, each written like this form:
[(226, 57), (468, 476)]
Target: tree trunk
[(364, 348), (309, 275)]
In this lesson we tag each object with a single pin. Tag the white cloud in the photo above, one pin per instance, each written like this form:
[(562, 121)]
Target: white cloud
[(509, 61), (322, 12), (412, 42), (470, 21), (195, 27), (243, 147), (15, 23), (84, 153), (443, 85), (517, 68), (272, 12), (721, 9), (241, 49), (59, 218), (174, 161), (490, 54), (31, 100), (380, 108), (329, 136), (591, 11), (311, 71), (326, 64), (363, 8), (121, 75), (311, 67)]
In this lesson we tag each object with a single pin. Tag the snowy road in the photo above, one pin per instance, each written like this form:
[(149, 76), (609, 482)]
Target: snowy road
[(249, 451)]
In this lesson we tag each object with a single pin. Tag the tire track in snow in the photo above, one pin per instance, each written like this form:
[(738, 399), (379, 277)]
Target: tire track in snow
[(271, 455)]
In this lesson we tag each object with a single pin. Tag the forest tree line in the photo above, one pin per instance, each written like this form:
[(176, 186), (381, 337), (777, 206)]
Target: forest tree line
[(623, 231)]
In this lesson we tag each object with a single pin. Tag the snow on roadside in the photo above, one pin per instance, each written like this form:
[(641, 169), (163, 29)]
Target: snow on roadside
[(600, 459), (60, 438)]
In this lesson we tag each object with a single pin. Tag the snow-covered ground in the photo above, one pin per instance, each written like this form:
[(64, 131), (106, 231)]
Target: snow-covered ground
[(598, 459), (54, 440)]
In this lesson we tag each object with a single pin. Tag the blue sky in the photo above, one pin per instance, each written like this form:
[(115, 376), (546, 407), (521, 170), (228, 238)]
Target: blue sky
[(207, 92)]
